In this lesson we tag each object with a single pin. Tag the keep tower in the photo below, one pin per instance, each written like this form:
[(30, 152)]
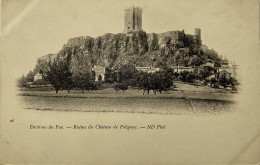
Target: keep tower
[(133, 19)]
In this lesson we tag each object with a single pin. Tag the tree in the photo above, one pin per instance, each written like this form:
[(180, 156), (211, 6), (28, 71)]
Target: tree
[(190, 77), (195, 61), (183, 75), (143, 82), (234, 83), (206, 72), (109, 75), (195, 48), (167, 77), (22, 82), (182, 56), (42, 67), (217, 64), (38, 82), (93, 75), (211, 54), (214, 82), (59, 75), (80, 67), (30, 76), (91, 86), (126, 72), (82, 80), (180, 44), (121, 86), (158, 81), (226, 80)]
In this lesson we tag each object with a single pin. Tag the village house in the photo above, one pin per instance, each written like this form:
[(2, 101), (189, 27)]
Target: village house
[(179, 69), (148, 69), (37, 77), (99, 72), (225, 74)]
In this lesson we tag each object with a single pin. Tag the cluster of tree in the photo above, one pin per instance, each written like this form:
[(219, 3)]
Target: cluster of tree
[(186, 76), (197, 74), (224, 81), (110, 75), (121, 86), (60, 76), (24, 81), (157, 82), (124, 73), (127, 76), (208, 77)]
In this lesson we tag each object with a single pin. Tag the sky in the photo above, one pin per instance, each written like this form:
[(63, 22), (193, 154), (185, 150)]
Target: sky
[(33, 28)]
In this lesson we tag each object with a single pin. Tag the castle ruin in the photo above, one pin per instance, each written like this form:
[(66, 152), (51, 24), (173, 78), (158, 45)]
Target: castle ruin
[(133, 22)]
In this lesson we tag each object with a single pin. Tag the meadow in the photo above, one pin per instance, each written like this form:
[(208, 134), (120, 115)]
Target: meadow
[(185, 99)]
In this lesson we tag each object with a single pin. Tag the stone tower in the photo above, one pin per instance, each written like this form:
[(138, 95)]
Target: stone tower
[(198, 35), (133, 19)]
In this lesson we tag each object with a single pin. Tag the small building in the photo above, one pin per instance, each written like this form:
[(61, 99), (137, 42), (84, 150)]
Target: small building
[(99, 72), (225, 63), (208, 67), (179, 69), (224, 73), (208, 64), (225, 68), (148, 69), (37, 77)]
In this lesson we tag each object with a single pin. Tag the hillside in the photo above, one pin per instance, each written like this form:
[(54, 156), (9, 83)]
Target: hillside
[(140, 49)]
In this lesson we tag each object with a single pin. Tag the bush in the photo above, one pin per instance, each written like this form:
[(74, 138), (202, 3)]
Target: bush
[(126, 72), (121, 86), (205, 82), (216, 85), (91, 86), (22, 82), (190, 77)]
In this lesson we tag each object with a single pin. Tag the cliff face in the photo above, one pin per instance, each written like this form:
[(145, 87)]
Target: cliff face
[(114, 50)]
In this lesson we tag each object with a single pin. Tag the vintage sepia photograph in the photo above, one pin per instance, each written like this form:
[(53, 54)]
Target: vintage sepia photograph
[(130, 82), (173, 69)]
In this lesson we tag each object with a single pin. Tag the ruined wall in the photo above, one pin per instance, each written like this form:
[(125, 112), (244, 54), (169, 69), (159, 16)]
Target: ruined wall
[(174, 37)]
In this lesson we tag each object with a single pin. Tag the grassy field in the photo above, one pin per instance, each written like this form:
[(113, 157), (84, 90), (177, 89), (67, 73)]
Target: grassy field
[(183, 100), (182, 90)]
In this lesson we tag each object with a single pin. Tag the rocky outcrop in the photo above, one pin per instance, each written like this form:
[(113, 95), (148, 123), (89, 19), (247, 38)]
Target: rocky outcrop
[(114, 50)]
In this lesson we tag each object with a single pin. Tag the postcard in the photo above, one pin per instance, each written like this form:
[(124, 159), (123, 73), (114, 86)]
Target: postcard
[(130, 82)]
